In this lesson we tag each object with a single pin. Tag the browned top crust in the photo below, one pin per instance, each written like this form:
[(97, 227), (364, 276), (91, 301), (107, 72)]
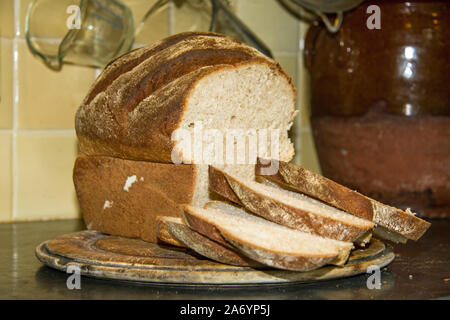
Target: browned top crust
[(300, 179), (138, 100), (129, 60)]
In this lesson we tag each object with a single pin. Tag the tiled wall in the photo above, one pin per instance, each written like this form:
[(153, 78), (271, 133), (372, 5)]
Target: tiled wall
[(37, 106)]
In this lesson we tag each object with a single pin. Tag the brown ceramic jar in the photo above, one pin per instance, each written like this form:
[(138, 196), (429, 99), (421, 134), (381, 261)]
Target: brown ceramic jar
[(380, 103)]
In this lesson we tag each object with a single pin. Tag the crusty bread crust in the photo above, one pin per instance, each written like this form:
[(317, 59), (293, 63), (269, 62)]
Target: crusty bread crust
[(204, 227), (138, 101), (302, 180), (279, 260), (131, 59), (123, 197), (204, 246), (163, 233), (282, 213)]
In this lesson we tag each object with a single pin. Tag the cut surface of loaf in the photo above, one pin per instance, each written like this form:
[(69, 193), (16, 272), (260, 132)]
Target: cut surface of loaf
[(174, 230), (395, 223), (267, 242), (292, 210)]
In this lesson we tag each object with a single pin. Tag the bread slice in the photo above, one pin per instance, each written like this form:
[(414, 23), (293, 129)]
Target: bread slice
[(231, 208), (360, 242), (266, 242), (288, 208), (175, 230), (163, 232), (392, 223)]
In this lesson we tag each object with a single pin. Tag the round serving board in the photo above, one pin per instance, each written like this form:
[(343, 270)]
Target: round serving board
[(111, 257)]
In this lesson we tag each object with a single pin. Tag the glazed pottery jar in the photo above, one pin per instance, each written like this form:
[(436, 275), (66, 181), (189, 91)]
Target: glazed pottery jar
[(380, 103)]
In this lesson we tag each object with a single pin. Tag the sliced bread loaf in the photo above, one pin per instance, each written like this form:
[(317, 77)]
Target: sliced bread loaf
[(266, 242), (173, 230), (287, 208), (394, 224)]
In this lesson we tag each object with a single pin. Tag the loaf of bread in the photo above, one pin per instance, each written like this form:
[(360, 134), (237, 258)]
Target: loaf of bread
[(127, 127), (141, 98)]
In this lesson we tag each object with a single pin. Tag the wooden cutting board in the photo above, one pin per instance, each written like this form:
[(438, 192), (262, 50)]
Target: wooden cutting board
[(111, 257)]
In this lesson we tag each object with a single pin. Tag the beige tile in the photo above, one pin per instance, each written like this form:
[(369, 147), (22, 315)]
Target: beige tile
[(308, 154), (49, 99), (189, 16), (305, 113), (5, 177), (6, 76), (156, 26), (289, 64), (186, 17), (45, 187), (294, 135), (303, 99), (271, 22), (232, 4), (23, 12), (7, 18), (49, 19), (304, 84)]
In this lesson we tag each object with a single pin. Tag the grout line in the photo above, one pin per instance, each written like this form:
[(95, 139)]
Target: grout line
[(15, 125), (17, 18), (15, 160), (238, 7), (171, 18), (38, 131), (46, 131), (1, 59), (299, 122)]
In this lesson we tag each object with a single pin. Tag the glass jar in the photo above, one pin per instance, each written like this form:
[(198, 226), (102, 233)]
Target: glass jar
[(380, 103)]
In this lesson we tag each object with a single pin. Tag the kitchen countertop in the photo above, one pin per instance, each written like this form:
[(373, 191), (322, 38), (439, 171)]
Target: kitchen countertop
[(421, 270)]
